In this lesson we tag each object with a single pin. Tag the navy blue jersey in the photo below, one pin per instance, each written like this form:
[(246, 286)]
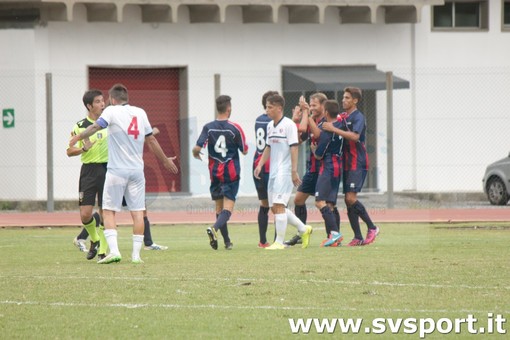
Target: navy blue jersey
[(329, 147), (329, 143), (224, 139), (260, 140), (355, 156), (313, 164)]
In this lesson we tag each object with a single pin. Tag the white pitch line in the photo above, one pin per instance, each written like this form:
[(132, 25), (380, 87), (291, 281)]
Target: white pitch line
[(312, 281), (227, 307)]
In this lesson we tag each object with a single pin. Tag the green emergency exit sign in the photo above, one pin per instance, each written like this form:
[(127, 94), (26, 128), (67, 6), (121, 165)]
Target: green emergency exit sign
[(8, 118)]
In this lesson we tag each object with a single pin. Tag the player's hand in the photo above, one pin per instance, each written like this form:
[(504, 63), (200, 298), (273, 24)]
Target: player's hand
[(303, 104), (74, 139), (295, 178), (296, 114), (170, 165), (313, 147), (196, 153), (87, 144), (256, 172), (327, 126)]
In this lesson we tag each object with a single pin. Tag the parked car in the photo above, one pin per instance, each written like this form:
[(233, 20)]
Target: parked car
[(496, 182)]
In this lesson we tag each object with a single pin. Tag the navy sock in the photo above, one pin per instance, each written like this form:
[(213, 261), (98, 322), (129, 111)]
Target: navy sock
[(83, 234), (147, 237), (97, 217), (363, 214), (354, 220), (263, 219), (329, 220), (221, 224), (337, 217), (301, 213)]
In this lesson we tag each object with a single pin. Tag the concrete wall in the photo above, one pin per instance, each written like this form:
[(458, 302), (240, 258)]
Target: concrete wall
[(459, 124)]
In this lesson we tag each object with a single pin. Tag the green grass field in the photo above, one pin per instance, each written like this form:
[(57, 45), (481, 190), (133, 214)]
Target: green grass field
[(49, 290)]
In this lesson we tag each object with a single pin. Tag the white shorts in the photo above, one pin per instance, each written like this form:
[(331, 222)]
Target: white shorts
[(129, 184), (279, 190)]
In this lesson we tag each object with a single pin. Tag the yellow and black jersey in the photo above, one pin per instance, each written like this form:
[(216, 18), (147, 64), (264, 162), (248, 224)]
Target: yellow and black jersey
[(98, 153)]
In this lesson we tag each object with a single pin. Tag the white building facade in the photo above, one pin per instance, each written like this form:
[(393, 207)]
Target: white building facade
[(449, 121)]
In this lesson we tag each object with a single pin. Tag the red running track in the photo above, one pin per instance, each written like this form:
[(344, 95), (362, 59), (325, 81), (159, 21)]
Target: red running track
[(56, 219)]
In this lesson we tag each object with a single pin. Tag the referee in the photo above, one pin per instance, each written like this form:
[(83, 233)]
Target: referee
[(94, 156)]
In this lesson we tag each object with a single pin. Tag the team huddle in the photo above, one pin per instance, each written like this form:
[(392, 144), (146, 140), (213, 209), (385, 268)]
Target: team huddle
[(337, 153), (110, 142)]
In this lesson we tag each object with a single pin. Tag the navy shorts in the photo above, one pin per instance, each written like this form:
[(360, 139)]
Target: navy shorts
[(308, 183), (261, 185), (353, 180), (327, 187), (220, 190)]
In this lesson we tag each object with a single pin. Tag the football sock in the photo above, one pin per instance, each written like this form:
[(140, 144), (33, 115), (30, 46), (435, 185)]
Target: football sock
[(147, 237), (295, 221), (354, 221), (337, 217), (222, 219), (301, 212), (111, 239), (329, 219), (97, 217), (263, 219), (137, 246), (91, 229), (103, 245), (83, 234), (224, 233), (280, 224), (360, 210)]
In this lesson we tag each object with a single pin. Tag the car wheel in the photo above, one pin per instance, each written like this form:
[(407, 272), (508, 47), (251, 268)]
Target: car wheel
[(496, 191)]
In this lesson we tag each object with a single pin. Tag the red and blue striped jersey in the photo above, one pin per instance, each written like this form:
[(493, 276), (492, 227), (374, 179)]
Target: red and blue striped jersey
[(260, 140), (355, 154), (313, 164), (224, 139), (329, 147)]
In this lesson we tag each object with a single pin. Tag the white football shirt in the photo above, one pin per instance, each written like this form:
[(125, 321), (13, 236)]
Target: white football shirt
[(127, 127), (280, 138)]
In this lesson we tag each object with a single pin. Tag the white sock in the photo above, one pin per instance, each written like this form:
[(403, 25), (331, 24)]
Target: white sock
[(111, 239), (296, 222), (137, 246), (280, 223)]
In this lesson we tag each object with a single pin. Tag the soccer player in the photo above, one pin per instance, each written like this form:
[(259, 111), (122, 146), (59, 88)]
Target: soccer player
[(94, 157), (128, 129), (329, 151), (282, 147), (355, 164), (224, 140), (310, 130), (261, 183)]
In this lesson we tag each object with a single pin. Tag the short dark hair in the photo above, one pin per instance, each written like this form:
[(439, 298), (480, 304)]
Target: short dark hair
[(119, 92), (276, 99), (355, 92), (332, 108), (88, 97), (223, 103), (266, 95)]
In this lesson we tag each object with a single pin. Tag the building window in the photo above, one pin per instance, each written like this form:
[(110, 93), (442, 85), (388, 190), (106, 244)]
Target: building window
[(460, 15), (506, 15)]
